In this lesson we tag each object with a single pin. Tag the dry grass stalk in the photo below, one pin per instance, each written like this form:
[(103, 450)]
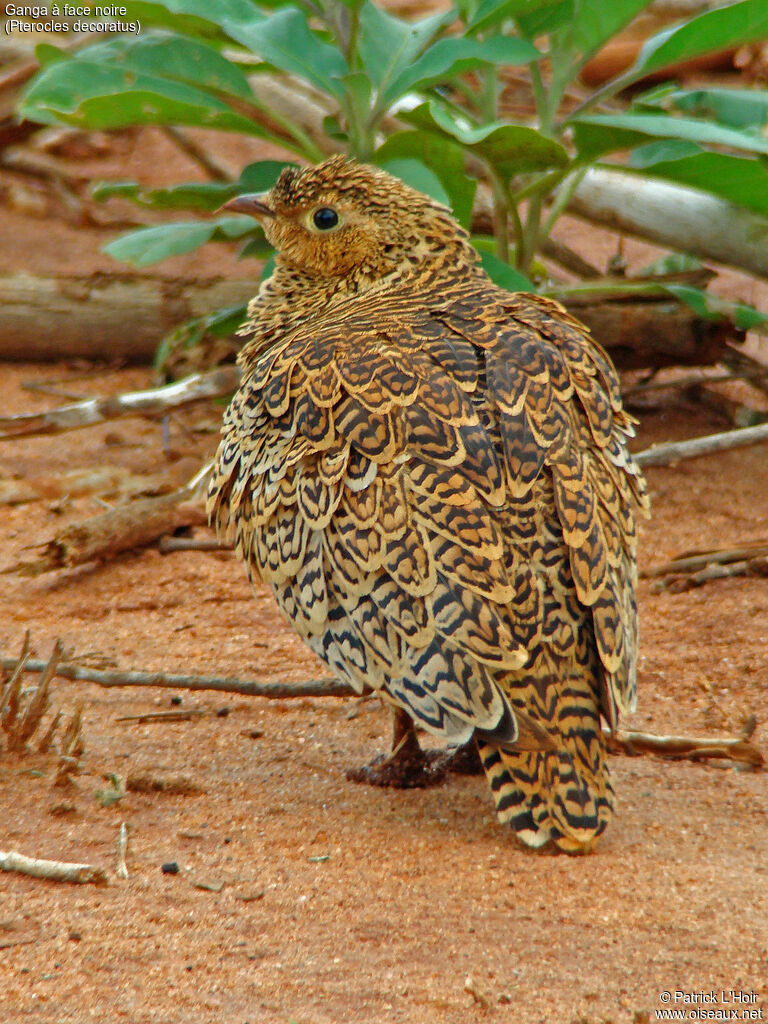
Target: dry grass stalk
[(72, 748), (21, 714), (20, 717)]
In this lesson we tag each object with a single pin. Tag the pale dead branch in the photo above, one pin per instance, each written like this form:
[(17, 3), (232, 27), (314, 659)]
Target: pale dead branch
[(694, 568), (668, 454), (106, 481), (149, 402), (740, 750), (51, 870), (134, 525), (328, 687), (684, 219), (88, 316)]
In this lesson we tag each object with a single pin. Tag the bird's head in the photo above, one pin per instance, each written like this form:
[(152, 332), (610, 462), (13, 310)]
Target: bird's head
[(341, 218)]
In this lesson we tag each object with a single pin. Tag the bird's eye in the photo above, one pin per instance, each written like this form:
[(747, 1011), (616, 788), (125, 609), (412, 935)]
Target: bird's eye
[(325, 218)]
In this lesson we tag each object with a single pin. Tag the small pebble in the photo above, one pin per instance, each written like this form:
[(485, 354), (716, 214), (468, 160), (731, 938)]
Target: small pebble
[(171, 868), (176, 700), (222, 712)]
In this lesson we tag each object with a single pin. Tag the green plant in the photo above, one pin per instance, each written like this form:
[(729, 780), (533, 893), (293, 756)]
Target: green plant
[(441, 76)]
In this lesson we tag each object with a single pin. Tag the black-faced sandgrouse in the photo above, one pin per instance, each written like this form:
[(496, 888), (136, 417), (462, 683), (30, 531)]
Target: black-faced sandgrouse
[(432, 475)]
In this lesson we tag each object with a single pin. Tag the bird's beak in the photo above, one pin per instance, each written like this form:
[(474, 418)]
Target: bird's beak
[(253, 205)]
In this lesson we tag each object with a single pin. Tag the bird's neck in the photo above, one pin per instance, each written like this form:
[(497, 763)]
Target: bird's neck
[(293, 296)]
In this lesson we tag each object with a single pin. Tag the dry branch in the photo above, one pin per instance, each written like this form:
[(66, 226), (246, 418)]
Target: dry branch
[(327, 687), (52, 870), (124, 318), (695, 568), (668, 454), (134, 525), (149, 402), (105, 481), (684, 219), (119, 316), (687, 747)]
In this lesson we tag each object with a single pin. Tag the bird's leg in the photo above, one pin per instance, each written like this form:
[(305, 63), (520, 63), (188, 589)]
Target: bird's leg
[(407, 766)]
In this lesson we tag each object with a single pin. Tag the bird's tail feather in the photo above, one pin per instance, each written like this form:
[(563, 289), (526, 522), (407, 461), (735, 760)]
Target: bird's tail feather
[(564, 797)]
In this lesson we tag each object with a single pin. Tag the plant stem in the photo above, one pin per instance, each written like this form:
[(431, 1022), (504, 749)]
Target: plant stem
[(501, 211), (531, 234), (562, 198)]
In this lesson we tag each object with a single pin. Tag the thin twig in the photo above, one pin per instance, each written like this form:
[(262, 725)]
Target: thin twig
[(691, 561), (668, 454), (678, 584), (121, 869), (150, 402), (185, 715), (168, 544), (52, 870), (688, 747), (327, 687), (211, 166)]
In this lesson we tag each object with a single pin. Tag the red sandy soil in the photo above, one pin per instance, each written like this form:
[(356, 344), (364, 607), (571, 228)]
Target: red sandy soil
[(329, 902)]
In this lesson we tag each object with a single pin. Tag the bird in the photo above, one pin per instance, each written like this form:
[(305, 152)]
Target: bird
[(432, 475)]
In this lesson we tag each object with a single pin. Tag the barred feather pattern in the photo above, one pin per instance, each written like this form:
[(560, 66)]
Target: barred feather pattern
[(432, 475)]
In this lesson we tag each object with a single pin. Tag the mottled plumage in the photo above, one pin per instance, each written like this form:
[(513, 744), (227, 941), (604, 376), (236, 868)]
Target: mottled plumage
[(432, 475)]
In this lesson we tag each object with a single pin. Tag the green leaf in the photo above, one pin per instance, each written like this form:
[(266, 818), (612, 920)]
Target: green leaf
[(442, 156), (740, 180), (714, 307), (715, 30), (491, 13), (594, 22), (418, 176), (194, 17), (737, 108), (173, 57), (503, 275), (547, 19), (387, 45), (195, 195), (150, 245), (595, 134), (285, 41), (91, 95), (449, 57), (508, 148)]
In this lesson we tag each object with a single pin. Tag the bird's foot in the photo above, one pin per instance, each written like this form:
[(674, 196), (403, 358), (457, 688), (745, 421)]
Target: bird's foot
[(414, 768)]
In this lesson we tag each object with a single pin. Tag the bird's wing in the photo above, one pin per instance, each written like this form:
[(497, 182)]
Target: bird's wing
[(559, 411), (359, 473)]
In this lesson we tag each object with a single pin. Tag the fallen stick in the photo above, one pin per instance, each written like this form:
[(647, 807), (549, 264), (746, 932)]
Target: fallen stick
[(668, 454), (164, 716), (684, 219), (150, 402), (134, 525), (168, 544), (46, 318), (691, 561), (678, 584), (690, 748), (76, 483), (327, 687), (52, 870)]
